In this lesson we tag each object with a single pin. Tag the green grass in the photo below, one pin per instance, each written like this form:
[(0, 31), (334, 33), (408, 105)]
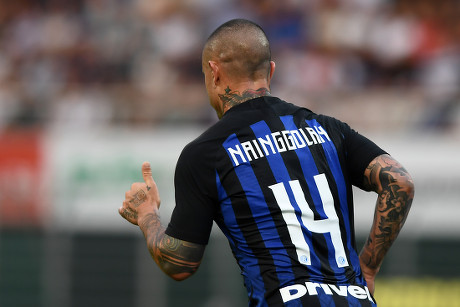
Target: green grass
[(422, 292)]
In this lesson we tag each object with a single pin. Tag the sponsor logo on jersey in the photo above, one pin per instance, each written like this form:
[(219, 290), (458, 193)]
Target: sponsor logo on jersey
[(277, 142), (296, 291)]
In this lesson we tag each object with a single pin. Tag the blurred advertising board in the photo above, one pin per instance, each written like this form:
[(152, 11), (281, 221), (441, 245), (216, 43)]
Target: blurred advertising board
[(77, 179), (91, 171), (21, 174)]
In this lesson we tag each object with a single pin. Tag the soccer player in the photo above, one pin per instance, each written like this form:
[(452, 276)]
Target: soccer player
[(277, 179)]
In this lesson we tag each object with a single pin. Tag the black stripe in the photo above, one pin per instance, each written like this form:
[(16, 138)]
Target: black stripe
[(295, 172), (265, 179), (247, 223), (319, 155)]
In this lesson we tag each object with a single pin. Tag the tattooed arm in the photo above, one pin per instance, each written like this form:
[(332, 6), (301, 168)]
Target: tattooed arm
[(177, 258), (395, 189)]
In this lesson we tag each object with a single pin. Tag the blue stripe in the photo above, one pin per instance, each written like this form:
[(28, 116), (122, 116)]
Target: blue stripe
[(281, 174), (310, 170), (262, 216), (251, 271), (279, 170), (326, 300), (334, 164)]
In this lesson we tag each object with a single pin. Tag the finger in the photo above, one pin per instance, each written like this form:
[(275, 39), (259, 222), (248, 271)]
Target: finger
[(120, 211), (128, 215), (147, 174)]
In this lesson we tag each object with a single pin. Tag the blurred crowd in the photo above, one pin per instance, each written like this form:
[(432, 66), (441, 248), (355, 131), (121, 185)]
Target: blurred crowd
[(88, 63)]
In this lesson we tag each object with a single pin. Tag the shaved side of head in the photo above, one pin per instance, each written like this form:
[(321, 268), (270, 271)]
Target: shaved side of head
[(242, 48)]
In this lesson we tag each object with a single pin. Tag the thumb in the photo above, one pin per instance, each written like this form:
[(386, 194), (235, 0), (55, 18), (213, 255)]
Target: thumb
[(147, 174)]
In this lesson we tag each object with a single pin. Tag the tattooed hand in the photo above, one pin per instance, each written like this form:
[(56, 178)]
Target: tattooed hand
[(143, 198), (395, 189), (177, 258)]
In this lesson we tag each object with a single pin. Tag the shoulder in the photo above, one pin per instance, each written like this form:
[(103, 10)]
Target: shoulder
[(335, 127), (331, 121), (280, 106), (203, 148)]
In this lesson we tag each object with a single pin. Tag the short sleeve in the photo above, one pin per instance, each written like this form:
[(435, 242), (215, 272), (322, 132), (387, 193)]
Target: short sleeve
[(360, 151), (193, 214)]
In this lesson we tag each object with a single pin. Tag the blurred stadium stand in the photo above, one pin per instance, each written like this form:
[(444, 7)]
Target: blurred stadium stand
[(91, 88)]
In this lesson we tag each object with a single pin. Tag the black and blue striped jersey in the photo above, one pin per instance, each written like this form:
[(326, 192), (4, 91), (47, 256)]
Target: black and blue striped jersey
[(277, 179)]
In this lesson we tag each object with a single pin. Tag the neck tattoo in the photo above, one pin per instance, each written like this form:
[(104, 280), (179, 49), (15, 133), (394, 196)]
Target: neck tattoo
[(233, 98)]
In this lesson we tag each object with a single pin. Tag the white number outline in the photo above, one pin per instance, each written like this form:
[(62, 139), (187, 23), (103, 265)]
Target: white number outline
[(329, 225)]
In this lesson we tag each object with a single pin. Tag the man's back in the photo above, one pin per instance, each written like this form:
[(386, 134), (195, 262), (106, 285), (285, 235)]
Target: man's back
[(277, 180), (281, 176)]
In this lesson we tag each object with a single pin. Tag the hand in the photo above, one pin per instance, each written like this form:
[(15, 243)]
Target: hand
[(369, 275), (142, 198)]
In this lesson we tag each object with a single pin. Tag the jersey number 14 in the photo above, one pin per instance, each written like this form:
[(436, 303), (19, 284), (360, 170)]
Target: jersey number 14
[(306, 220)]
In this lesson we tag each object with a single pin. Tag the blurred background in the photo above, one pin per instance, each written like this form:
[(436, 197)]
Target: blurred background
[(89, 89)]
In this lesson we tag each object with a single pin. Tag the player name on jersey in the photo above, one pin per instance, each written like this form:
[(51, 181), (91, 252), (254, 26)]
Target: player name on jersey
[(277, 142), (311, 288)]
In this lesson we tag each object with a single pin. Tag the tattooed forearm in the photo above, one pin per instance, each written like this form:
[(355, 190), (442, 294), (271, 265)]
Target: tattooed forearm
[(178, 259), (396, 192), (232, 98)]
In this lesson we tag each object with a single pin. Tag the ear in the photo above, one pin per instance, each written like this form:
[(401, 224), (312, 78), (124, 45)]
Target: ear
[(272, 69), (215, 70)]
